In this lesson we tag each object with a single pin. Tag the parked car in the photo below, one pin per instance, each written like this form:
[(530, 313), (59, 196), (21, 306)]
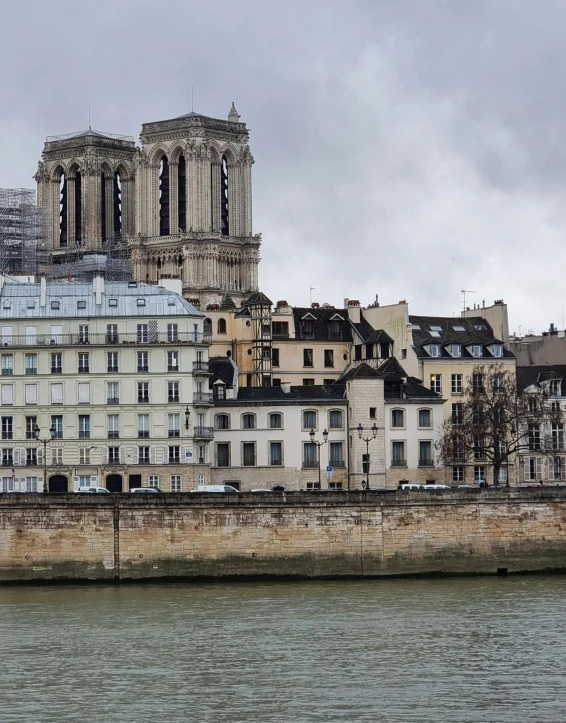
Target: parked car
[(93, 490), (145, 490), (261, 492), (226, 489), (409, 487)]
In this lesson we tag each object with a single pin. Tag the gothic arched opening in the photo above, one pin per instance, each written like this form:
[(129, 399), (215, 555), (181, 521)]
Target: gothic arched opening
[(63, 228), (182, 194), (117, 221), (78, 208), (224, 198), (164, 226)]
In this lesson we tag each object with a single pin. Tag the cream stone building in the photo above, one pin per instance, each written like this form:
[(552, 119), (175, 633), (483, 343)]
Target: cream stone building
[(182, 202), (109, 380)]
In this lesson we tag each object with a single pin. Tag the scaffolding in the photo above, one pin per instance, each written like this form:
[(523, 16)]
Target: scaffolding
[(25, 230), (111, 260)]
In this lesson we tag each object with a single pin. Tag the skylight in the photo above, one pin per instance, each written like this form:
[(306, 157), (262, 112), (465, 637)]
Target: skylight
[(459, 328), (435, 328), (436, 334), (479, 327), (415, 327)]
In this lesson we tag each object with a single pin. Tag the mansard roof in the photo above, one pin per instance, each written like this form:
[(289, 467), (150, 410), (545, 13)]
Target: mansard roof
[(321, 319), (534, 376), (446, 331), (258, 299), (361, 371), (222, 369)]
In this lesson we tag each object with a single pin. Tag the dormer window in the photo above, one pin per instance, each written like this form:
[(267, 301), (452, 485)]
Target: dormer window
[(31, 304), (112, 302), (141, 302), (497, 350), (554, 387), (335, 328), (308, 327), (435, 350), (456, 350), (477, 351), (81, 304), (55, 305), (7, 304)]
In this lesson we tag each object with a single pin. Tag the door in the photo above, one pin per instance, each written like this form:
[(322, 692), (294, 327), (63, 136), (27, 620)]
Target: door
[(114, 483), (58, 483), (134, 480)]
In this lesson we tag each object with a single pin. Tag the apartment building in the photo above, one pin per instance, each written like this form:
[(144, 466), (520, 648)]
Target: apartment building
[(102, 383)]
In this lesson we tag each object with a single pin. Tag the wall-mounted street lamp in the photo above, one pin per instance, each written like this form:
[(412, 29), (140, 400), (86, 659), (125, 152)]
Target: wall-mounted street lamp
[(187, 417), (367, 440), (44, 442), (319, 445)]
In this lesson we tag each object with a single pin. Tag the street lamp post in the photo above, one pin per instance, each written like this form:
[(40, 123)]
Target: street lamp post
[(367, 440), (319, 445), (187, 417), (44, 442)]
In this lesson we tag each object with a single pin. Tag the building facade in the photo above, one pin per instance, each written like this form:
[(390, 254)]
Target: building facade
[(102, 384)]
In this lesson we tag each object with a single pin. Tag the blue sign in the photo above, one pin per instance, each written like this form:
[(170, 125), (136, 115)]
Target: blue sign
[(329, 468)]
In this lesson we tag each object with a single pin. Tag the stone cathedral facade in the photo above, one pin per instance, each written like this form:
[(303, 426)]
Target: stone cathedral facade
[(181, 202)]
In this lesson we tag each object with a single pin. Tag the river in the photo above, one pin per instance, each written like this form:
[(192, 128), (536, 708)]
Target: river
[(464, 650)]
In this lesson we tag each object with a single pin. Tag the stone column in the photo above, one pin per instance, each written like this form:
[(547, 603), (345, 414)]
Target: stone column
[(173, 198)]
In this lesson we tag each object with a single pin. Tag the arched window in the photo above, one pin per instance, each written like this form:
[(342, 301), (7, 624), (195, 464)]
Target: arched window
[(78, 208), (224, 198), (117, 222), (221, 326), (335, 418), (248, 421), (207, 327), (164, 228), (182, 194), (222, 421), (397, 418), (276, 420), (63, 228)]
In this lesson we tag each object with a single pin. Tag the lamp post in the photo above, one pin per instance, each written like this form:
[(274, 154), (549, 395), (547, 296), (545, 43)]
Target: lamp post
[(367, 440), (319, 445), (187, 417), (44, 442)]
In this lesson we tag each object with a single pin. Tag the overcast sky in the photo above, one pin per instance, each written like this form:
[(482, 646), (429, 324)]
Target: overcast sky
[(406, 148)]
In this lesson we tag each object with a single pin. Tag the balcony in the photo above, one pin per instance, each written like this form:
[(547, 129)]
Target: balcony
[(310, 464), (399, 463), (337, 465), (202, 398), (200, 367), (426, 462), (31, 370), (60, 340), (113, 400), (203, 432)]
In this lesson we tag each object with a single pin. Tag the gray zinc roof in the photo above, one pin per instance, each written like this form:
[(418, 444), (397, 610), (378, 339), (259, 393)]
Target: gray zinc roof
[(120, 298)]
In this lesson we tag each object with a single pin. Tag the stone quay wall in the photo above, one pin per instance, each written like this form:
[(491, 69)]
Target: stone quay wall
[(308, 535)]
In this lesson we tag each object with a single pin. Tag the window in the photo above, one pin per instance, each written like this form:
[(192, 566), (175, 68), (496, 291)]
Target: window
[(83, 334), (280, 328), (457, 413), (7, 457), (397, 418), (7, 394), (143, 361), (207, 327), (31, 393), (143, 334), (335, 419), (556, 468), (31, 363), (358, 352), (398, 454), (173, 333), (557, 436), (275, 357), (84, 364), (57, 426), (223, 454), (143, 426), (276, 382), (275, 421), (459, 328), (478, 414), (174, 454), (309, 420), (56, 363), (458, 449), (308, 382), (31, 457), (176, 482), (458, 473), (172, 391), (476, 350), (7, 365), (248, 421), (31, 423), (326, 382), (532, 468), (219, 390), (112, 361), (113, 426), (499, 383), (497, 350), (84, 393), (310, 454), (554, 388), (307, 328), (114, 455), (112, 393), (84, 455), (248, 454), (222, 421), (221, 326), (477, 383), (143, 392), (307, 357), (55, 305), (56, 456), (143, 455), (84, 426), (112, 302), (534, 436), (276, 454), (81, 304), (425, 454), (479, 474), (384, 350), (111, 333), (336, 454), (372, 412), (424, 417), (435, 350), (153, 480), (456, 386), (31, 484), (173, 425), (436, 383), (456, 350), (328, 358), (479, 448), (369, 351), (172, 361), (141, 302), (366, 460)]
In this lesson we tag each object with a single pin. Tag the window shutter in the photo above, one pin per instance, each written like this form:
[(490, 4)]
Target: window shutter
[(105, 455), (7, 394), (136, 455), (94, 480), (539, 468), (526, 465), (56, 394), (31, 393), (84, 393), (164, 454), (76, 482), (39, 483), (39, 455), (152, 455), (16, 457), (182, 454)]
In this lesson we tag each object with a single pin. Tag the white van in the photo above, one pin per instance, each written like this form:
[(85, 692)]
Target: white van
[(217, 488), (93, 490)]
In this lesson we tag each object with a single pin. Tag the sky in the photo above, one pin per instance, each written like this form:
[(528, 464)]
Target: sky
[(403, 148)]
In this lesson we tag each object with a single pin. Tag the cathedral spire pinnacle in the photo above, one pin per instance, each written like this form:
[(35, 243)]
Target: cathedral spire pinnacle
[(233, 115)]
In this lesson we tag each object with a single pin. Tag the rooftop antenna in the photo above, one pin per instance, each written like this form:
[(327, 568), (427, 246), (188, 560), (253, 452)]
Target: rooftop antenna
[(311, 290), (192, 99), (464, 292), (89, 117)]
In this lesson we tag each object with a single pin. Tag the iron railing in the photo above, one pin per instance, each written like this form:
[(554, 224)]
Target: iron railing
[(103, 339), (204, 432), (202, 398)]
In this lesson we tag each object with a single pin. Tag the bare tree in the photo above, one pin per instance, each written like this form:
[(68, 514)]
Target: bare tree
[(493, 423)]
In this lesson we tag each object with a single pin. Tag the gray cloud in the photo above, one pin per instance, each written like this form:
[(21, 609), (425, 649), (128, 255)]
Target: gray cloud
[(409, 149)]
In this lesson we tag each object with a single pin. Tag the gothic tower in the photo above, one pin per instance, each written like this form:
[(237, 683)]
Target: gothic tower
[(194, 207)]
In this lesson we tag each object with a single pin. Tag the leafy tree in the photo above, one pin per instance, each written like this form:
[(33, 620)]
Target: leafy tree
[(493, 423)]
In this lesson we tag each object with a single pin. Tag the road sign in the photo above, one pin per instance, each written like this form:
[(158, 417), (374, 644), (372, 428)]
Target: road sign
[(329, 468)]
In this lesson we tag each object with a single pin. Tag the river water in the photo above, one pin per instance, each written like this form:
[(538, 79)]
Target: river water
[(489, 650)]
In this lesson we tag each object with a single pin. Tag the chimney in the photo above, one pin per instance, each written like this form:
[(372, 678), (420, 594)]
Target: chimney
[(346, 302), (354, 311), (42, 291), (98, 289), (286, 387)]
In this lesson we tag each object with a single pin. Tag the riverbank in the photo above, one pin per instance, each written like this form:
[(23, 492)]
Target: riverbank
[(119, 538)]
